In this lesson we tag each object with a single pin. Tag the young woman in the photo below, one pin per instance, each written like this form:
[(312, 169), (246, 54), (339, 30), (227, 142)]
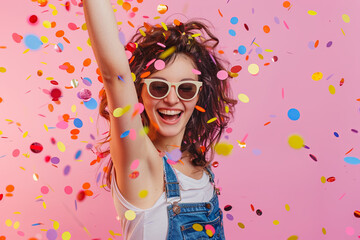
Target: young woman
[(172, 70)]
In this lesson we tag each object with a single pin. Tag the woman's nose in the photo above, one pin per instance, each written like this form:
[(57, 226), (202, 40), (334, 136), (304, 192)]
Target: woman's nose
[(172, 96)]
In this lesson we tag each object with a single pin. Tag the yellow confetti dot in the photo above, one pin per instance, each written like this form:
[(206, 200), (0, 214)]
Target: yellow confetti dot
[(44, 39), (143, 193), (241, 225), (227, 109), (133, 76), (66, 236), (253, 69), (346, 18), (293, 237), (91, 120), (223, 148), (118, 112), (323, 179), (2, 69), (196, 35), (47, 24), (317, 76), (25, 134), (55, 12), (144, 131), (51, 6), (61, 146), (332, 89), (16, 225), (269, 50), (88, 42), (243, 98), (120, 2), (287, 207), (167, 52), (130, 215), (164, 26), (276, 222), (323, 231), (46, 127), (209, 233), (197, 227), (111, 232), (8, 222), (44, 205), (296, 141), (79, 48), (312, 13), (56, 224), (211, 120), (73, 108), (142, 32)]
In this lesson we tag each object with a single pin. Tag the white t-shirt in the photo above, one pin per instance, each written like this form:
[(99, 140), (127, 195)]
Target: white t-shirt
[(152, 223)]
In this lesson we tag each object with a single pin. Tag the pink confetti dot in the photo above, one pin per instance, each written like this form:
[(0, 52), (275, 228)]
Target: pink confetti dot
[(21, 233), (132, 134), (16, 152), (210, 227), (72, 26), (44, 190), (159, 64), (62, 125), (350, 231), (197, 72), (228, 130), (128, 54), (222, 75), (68, 190), (134, 164)]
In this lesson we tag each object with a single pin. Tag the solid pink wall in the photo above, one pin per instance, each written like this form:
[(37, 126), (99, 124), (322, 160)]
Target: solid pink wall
[(268, 174)]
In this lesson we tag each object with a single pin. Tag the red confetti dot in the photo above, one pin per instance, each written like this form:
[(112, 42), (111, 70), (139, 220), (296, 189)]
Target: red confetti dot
[(252, 207), (55, 94), (47, 159), (81, 196), (36, 147), (134, 174), (1, 196), (33, 19), (215, 164), (331, 179), (236, 69), (67, 6)]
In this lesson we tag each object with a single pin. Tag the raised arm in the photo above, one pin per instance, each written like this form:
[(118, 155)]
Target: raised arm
[(112, 61)]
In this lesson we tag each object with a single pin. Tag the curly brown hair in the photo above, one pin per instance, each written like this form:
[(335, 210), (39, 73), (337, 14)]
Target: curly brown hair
[(195, 40)]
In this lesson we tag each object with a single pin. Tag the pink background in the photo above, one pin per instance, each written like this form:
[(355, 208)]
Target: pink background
[(267, 174)]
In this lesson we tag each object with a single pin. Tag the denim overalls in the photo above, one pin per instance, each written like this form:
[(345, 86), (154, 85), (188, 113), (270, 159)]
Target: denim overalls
[(182, 216)]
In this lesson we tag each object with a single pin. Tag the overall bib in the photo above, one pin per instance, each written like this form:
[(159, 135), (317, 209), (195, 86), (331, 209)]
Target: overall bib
[(182, 216)]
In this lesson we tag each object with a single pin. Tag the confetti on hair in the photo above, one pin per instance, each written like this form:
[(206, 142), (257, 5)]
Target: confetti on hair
[(200, 109), (142, 32), (161, 45), (211, 120), (164, 26), (167, 52), (196, 35), (145, 74), (195, 71)]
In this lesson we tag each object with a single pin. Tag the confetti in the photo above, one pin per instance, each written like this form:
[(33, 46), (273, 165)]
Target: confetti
[(197, 227), (243, 98), (296, 141), (162, 8)]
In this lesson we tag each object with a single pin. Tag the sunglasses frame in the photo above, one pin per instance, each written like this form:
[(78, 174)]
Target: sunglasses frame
[(148, 81)]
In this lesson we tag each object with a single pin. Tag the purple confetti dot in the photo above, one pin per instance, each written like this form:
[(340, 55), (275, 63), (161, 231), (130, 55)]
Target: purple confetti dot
[(329, 44), (276, 19), (89, 146), (92, 137), (51, 234), (67, 170), (311, 45), (229, 216), (55, 160), (258, 50)]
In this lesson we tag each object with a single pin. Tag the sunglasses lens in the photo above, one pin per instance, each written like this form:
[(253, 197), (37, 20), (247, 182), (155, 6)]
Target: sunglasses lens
[(187, 90), (158, 88)]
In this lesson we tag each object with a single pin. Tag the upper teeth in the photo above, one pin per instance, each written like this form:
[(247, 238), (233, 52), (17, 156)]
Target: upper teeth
[(170, 112)]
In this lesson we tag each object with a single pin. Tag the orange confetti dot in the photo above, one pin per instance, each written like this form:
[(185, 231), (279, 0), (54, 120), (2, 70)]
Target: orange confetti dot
[(70, 69), (134, 174), (66, 117), (266, 29), (266, 64), (39, 73), (74, 137), (75, 131), (98, 71), (145, 74), (177, 22), (316, 44), (135, 9), (86, 185), (9, 195), (286, 4), (130, 23), (88, 193), (199, 108), (221, 52), (105, 169), (162, 8), (2, 238), (1, 99), (51, 107), (87, 62), (10, 188), (53, 24), (66, 40), (139, 1), (126, 6), (220, 13), (60, 33)]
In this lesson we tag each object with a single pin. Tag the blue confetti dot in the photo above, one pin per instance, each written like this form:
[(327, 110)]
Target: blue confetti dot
[(67, 170), (125, 134), (232, 32), (311, 45), (98, 177), (293, 114), (234, 20), (78, 123), (242, 49), (87, 81), (336, 134), (352, 160), (78, 154), (61, 46), (91, 104), (256, 152), (32, 42)]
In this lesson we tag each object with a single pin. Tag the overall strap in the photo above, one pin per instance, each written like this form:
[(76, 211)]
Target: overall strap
[(171, 183)]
